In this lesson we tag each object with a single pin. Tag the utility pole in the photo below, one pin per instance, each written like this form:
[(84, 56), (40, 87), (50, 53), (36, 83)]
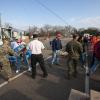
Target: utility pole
[(0, 27), (87, 91)]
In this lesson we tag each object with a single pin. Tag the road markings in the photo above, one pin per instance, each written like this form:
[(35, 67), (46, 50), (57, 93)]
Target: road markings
[(13, 78), (3, 84)]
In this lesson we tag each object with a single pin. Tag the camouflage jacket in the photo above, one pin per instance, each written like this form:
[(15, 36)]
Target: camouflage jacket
[(5, 50), (74, 49)]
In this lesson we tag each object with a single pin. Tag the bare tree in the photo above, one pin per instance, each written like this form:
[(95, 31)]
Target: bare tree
[(7, 25), (33, 29), (47, 28)]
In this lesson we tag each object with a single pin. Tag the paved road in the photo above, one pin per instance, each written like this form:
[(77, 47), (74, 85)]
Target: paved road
[(23, 67), (54, 87)]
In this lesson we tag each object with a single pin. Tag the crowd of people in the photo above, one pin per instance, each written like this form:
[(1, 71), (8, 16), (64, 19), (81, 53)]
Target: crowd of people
[(16, 52), (79, 50)]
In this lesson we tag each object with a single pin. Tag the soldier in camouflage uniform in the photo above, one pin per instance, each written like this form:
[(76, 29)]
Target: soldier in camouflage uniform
[(74, 49), (5, 51)]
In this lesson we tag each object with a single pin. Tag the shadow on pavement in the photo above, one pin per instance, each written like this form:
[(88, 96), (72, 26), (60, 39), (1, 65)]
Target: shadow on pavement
[(56, 86), (13, 95), (2, 78)]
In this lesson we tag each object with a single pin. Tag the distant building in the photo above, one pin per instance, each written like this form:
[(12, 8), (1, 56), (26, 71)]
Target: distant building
[(10, 32)]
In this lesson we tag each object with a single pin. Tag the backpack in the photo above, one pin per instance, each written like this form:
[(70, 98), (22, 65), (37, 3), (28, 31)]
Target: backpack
[(97, 50)]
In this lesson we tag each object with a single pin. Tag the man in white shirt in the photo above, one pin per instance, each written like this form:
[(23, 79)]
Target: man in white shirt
[(36, 47)]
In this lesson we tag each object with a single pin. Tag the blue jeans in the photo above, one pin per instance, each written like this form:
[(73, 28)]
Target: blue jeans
[(95, 65), (12, 59), (16, 60), (27, 56), (18, 63), (55, 58)]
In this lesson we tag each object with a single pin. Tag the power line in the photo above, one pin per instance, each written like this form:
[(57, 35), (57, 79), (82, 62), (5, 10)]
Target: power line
[(51, 11)]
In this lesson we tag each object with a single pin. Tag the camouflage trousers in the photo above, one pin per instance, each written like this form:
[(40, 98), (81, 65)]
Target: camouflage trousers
[(6, 66), (72, 64)]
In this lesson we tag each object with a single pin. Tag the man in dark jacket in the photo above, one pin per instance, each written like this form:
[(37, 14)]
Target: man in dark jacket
[(56, 47)]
